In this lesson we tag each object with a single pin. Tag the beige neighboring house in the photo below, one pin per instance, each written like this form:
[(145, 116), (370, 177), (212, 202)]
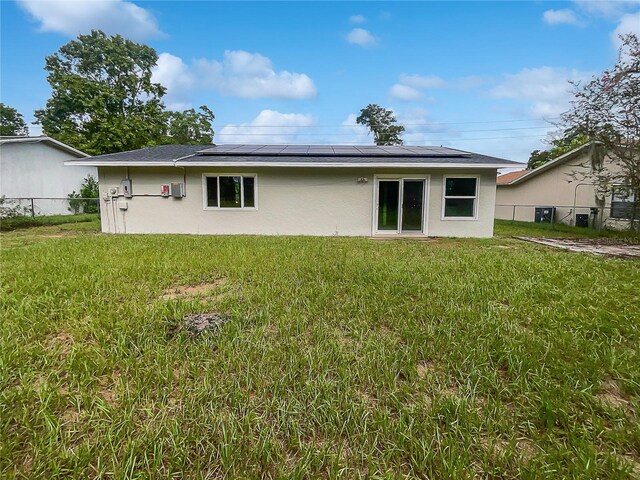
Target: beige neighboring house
[(298, 190), (32, 169), (552, 190)]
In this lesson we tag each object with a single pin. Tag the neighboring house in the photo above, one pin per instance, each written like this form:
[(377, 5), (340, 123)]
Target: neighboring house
[(298, 190), (33, 168), (561, 189)]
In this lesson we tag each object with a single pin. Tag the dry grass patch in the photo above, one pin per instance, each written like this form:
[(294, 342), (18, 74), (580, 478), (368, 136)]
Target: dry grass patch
[(612, 395), (193, 291)]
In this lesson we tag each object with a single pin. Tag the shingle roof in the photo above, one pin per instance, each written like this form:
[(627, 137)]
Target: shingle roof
[(298, 155), (510, 177)]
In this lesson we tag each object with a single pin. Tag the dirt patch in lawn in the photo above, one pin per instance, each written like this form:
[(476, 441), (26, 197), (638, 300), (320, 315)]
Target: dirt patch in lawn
[(63, 341), (596, 246), (612, 395), (193, 291)]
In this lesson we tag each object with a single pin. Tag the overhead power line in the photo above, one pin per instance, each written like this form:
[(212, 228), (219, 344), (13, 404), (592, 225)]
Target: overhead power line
[(431, 124), (434, 140)]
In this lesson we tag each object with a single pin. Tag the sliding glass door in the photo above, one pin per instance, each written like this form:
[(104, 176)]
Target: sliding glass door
[(400, 205)]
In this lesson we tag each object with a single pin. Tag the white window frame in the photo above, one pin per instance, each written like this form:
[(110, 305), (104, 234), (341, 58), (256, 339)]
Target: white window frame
[(476, 198), (425, 203), (242, 208)]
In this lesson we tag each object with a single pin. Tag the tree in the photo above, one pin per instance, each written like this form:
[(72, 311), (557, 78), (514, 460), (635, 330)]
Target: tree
[(11, 122), (189, 127), (559, 147), (606, 110), (103, 99), (381, 122), (80, 202)]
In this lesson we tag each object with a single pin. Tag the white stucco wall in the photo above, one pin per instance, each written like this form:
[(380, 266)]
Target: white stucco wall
[(290, 201), (37, 169)]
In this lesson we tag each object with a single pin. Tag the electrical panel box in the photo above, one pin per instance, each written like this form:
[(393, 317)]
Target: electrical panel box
[(177, 189), (125, 185), (123, 205), (165, 190)]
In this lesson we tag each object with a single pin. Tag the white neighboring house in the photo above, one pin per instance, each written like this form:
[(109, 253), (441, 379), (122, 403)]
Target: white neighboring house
[(33, 168), (298, 190)]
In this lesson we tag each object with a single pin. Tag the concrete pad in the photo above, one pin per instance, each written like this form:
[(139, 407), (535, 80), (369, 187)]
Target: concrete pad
[(595, 246)]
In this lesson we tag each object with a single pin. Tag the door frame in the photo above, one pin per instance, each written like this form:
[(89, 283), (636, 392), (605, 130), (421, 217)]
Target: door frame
[(425, 203)]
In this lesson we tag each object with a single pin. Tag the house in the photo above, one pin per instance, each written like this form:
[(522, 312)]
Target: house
[(32, 168), (298, 190), (561, 191)]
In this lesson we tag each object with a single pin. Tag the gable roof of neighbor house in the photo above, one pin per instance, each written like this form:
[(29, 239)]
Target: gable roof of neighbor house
[(524, 175), (44, 139), (510, 176), (297, 156)]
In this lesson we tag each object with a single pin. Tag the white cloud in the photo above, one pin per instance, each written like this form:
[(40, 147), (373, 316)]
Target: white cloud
[(405, 93), (357, 19), (71, 18), (546, 89), (239, 74), (607, 9), (629, 23), (251, 75), (559, 17), (262, 129), (362, 37), (420, 81), (472, 81)]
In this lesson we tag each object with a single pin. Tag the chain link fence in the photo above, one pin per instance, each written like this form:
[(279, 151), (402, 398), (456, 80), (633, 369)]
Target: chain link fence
[(592, 216), (38, 206)]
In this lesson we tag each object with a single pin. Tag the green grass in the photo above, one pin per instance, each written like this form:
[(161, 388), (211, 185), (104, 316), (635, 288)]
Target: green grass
[(343, 358), (509, 228), (9, 224)]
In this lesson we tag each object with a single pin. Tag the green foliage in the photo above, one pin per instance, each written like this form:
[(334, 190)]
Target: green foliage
[(11, 122), (381, 123), (11, 208), (352, 358), (559, 147), (27, 221), (103, 99), (79, 202), (189, 127)]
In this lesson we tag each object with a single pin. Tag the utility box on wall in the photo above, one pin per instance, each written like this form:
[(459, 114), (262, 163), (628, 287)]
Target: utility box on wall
[(177, 189), (125, 186)]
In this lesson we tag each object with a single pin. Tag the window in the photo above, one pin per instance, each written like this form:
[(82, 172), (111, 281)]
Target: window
[(622, 202), (230, 191), (460, 195)]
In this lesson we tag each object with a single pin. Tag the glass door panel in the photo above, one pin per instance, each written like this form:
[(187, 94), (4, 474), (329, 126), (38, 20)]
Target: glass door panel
[(388, 204), (412, 202)]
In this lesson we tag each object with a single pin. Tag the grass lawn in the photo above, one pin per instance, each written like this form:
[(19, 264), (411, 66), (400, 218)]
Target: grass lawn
[(341, 358), (9, 224)]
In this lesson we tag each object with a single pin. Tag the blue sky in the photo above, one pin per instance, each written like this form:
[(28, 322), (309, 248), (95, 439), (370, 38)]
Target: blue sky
[(481, 76)]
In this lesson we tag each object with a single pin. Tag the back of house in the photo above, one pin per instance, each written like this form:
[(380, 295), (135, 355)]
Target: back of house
[(298, 190)]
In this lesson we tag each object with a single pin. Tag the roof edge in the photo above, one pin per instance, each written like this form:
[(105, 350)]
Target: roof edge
[(43, 138), (179, 163), (549, 165)]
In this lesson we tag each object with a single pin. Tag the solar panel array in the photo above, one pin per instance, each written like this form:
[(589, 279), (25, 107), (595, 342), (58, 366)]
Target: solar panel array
[(333, 150)]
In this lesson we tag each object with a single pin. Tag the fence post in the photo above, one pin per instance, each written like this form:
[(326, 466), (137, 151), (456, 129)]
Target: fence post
[(33, 211)]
